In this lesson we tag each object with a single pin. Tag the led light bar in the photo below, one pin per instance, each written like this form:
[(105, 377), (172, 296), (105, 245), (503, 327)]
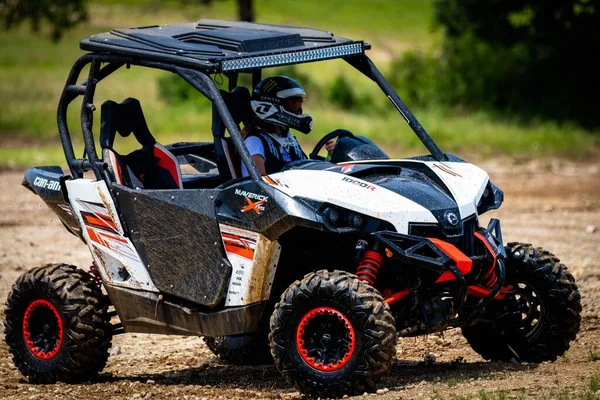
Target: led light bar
[(323, 53)]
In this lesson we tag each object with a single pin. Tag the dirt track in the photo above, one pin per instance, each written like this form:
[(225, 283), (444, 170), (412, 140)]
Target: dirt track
[(557, 207)]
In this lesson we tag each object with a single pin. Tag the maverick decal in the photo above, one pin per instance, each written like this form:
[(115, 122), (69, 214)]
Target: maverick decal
[(358, 183), (256, 206)]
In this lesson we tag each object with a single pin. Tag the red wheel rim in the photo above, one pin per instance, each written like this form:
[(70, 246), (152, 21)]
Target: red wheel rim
[(42, 329), (325, 339)]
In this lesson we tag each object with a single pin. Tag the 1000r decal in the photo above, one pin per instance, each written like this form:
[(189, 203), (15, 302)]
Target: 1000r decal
[(358, 183)]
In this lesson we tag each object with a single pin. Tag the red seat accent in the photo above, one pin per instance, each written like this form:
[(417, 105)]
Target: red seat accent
[(114, 167), (168, 161), (233, 160)]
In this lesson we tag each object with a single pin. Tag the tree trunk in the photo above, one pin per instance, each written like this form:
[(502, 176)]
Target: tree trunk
[(246, 10)]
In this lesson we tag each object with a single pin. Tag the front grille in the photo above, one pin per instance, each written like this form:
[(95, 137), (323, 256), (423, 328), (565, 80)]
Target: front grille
[(463, 239)]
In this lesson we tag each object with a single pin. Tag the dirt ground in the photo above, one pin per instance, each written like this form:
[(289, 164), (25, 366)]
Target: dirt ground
[(551, 204)]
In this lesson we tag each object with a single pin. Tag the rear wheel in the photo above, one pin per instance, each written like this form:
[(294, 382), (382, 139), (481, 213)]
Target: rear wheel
[(539, 320), (332, 334), (57, 325)]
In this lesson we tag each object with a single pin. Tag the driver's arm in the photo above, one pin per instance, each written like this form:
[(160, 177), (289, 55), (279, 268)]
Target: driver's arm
[(260, 163)]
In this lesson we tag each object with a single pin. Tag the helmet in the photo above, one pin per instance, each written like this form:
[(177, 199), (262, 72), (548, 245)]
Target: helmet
[(273, 102)]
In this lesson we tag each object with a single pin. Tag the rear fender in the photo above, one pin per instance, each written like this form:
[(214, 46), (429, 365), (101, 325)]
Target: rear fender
[(49, 183)]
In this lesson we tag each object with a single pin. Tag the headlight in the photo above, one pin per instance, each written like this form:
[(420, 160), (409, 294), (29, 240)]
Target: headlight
[(356, 220), (333, 216), (341, 218)]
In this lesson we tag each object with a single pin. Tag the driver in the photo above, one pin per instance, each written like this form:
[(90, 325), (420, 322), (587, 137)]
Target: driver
[(277, 106)]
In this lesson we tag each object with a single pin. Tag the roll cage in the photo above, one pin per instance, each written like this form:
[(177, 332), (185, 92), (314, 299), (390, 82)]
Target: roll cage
[(194, 51)]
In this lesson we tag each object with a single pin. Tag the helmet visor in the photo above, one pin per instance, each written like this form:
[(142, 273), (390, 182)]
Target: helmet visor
[(294, 104)]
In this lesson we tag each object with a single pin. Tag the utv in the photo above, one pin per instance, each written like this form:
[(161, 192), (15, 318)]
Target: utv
[(319, 268)]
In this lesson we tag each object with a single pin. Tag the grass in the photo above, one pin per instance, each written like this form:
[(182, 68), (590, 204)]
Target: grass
[(594, 355), (586, 392), (34, 69)]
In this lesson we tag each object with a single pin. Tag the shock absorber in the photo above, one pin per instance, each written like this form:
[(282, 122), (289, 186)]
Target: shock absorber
[(95, 274), (369, 266)]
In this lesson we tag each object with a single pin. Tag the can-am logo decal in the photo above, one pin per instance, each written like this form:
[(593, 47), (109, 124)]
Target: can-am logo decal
[(256, 206), (46, 184), (452, 218), (358, 183)]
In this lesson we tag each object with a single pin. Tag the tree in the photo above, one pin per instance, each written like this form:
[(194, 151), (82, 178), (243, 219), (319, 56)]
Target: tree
[(64, 14), (61, 14), (246, 10), (525, 55)]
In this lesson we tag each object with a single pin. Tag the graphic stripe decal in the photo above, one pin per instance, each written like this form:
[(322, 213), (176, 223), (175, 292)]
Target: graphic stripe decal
[(243, 247), (98, 220), (446, 170)]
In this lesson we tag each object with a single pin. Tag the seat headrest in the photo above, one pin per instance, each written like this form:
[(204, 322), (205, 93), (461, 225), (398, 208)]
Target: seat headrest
[(238, 104), (125, 118)]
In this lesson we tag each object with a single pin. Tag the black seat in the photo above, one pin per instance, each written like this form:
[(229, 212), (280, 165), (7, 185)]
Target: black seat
[(152, 166), (238, 103)]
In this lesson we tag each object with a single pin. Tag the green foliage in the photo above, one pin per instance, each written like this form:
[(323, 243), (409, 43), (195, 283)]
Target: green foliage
[(532, 57), (594, 355), (594, 383), (415, 77), (34, 69), (342, 94), (483, 395), (60, 14), (174, 90)]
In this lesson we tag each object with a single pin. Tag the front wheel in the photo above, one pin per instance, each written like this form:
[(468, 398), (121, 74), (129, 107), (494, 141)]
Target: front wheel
[(539, 320), (332, 335)]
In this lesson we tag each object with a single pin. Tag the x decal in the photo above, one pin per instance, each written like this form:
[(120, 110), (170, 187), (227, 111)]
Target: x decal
[(253, 206)]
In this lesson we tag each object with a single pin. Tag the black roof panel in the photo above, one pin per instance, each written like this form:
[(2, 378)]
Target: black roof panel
[(209, 43)]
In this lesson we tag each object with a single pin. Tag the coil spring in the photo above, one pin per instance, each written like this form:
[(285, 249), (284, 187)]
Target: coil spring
[(369, 267), (490, 280), (95, 274)]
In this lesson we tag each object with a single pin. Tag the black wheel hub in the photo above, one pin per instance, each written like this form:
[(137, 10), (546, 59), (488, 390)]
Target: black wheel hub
[(527, 308), (325, 339), (42, 329)]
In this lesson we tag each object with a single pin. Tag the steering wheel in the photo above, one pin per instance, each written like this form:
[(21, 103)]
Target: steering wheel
[(338, 133)]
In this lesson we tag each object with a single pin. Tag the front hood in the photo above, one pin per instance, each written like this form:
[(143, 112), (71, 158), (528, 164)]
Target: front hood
[(419, 189), (418, 192), (353, 194)]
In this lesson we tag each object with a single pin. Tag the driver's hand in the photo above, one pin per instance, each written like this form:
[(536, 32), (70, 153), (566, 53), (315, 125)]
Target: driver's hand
[(330, 145)]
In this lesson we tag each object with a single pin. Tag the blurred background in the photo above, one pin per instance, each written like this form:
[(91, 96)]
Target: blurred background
[(487, 79)]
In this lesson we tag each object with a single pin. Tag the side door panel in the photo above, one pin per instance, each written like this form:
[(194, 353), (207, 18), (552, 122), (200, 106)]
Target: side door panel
[(178, 238)]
